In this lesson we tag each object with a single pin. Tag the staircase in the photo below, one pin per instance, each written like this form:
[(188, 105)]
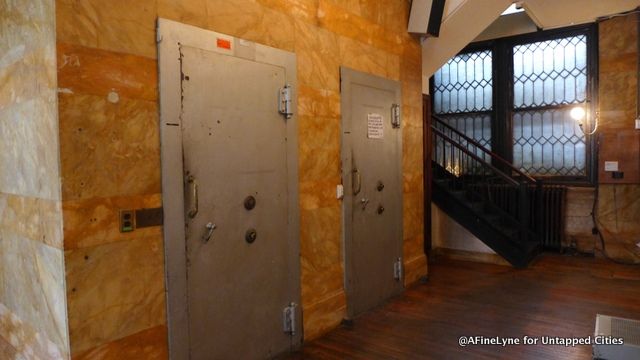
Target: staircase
[(485, 194)]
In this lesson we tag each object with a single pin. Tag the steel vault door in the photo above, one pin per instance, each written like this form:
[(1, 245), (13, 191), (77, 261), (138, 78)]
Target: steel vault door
[(372, 174), (238, 185)]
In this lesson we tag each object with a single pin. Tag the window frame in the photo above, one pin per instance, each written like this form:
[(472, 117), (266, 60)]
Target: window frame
[(503, 92)]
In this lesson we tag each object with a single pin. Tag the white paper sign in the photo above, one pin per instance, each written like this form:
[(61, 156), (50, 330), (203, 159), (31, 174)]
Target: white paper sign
[(375, 126), (610, 166)]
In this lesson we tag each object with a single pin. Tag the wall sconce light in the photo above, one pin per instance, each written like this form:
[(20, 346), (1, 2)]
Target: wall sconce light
[(578, 114)]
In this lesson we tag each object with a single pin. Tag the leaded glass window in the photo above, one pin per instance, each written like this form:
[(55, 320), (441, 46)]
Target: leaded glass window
[(464, 84), (513, 96), (463, 98), (549, 78)]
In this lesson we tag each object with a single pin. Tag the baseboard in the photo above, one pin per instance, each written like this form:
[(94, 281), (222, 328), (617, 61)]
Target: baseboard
[(324, 315), (414, 269)]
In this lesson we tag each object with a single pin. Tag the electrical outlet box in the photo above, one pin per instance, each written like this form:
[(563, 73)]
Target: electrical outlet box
[(638, 124), (339, 191), (127, 221), (617, 175)]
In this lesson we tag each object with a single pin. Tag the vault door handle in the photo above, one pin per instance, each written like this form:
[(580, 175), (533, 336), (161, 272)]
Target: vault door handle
[(194, 190), (364, 202), (210, 227), (356, 181)]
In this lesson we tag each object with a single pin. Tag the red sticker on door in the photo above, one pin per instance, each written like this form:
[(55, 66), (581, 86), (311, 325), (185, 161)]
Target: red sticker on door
[(223, 44)]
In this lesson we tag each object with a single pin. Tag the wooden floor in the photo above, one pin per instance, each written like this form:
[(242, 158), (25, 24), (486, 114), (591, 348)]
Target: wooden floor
[(556, 296)]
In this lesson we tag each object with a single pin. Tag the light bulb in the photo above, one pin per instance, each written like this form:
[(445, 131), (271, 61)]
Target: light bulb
[(578, 113)]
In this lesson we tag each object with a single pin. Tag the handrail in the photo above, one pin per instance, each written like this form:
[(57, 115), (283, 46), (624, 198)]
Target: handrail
[(477, 145), (475, 157)]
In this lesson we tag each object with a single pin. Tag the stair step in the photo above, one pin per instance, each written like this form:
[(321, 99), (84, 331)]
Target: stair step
[(510, 232), (495, 228), (442, 182)]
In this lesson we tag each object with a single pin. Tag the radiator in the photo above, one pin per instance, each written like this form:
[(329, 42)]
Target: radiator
[(547, 210), (548, 215)]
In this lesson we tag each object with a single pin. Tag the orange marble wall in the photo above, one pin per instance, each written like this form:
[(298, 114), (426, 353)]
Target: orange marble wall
[(619, 200), (110, 150), (618, 96), (110, 161), (33, 321)]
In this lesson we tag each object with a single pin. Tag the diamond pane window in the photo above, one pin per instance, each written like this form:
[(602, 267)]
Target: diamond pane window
[(464, 84), (463, 94), (548, 143), (520, 107), (549, 78), (552, 72)]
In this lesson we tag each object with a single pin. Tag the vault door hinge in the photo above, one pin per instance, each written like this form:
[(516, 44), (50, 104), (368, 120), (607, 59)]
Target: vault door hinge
[(395, 115), (398, 269), (284, 102), (289, 319)]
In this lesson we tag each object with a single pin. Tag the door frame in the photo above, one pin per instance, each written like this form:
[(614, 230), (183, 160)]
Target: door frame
[(348, 77), (427, 149), (171, 36)]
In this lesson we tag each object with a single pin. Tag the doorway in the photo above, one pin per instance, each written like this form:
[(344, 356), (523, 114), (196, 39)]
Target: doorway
[(228, 132), (372, 178)]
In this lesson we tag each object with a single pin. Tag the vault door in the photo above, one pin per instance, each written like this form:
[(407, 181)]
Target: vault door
[(239, 274), (372, 156)]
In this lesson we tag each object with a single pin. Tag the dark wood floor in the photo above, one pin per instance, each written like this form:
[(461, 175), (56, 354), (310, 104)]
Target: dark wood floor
[(556, 296)]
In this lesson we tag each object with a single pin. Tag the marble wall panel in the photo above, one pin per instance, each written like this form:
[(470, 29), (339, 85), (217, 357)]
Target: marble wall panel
[(108, 148), (618, 214), (413, 214), (320, 132), (321, 240), (323, 315), (32, 218), (117, 25), (114, 290), (249, 20), (333, 17), (318, 57), (578, 219), (316, 194), (366, 58), (617, 34), (318, 102), (318, 164), (618, 203), (18, 340), (95, 221), (150, 344), (29, 155), (184, 11), (412, 182), (99, 72), (32, 298), (35, 292), (412, 117), (412, 148), (303, 10), (22, 73), (7, 351), (415, 268), (390, 17)]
